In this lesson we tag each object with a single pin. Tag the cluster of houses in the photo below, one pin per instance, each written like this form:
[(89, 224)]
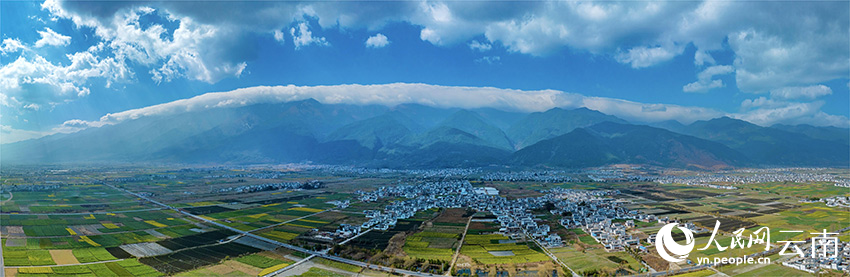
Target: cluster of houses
[(529, 176), (5, 188), (142, 178), (835, 255), (837, 201), (589, 210), (261, 187), (595, 214), (414, 191), (343, 232)]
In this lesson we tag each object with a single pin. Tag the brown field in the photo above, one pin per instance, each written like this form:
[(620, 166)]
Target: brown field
[(11, 272), (227, 268), (452, 216), (63, 257)]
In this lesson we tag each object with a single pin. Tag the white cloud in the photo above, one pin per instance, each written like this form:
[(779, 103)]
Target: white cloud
[(480, 46), (768, 112), (489, 59), (11, 45), (193, 50), (701, 57), (762, 112), (31, 81), (774, 44), (640, 57), (704, 81), (430, 95), (302, 36), (810, 92), (49, 37), (278, 36), (377, 41)]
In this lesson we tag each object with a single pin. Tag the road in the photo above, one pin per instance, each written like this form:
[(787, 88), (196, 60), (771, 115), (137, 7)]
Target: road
[(552, 256), (457, 252), (282, 270), (284, 245)]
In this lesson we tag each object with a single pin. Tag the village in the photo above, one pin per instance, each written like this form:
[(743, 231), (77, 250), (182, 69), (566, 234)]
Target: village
[(586, 209)]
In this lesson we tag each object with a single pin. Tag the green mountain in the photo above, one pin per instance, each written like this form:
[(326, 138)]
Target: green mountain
[(411, 136), (830, 133), (770, 146), (552, 123), (473, 124), (376, 132), (609, 142)]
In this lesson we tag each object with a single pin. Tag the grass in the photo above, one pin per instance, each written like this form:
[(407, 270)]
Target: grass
[(279, 235), (87, 255), (318, 272), (431, 245), (335, 264), (477, 247), (701, 273), (260, 261), (592, 259)]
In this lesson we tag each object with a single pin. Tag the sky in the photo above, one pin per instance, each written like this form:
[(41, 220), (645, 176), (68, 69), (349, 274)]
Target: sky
[(67, 66)]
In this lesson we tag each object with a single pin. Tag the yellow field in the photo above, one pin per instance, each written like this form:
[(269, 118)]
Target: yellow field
[(110, 226), (258, 215), (272, 269), (71, 231), (89, 241), (154, 223), (35, 270), (63, 256), (299, 225), (304, 209)]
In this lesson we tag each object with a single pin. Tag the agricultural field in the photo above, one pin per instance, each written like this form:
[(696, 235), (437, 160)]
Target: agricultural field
[(90, 226), (499, 249)]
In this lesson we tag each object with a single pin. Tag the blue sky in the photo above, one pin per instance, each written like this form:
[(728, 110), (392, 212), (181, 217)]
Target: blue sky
[(66, 65)]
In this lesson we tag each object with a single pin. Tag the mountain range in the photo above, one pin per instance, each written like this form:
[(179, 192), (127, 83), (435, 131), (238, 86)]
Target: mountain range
[(418, 136)]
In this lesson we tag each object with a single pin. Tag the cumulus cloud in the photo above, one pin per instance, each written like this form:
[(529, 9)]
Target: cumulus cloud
[(810, 92), (769, 112), (774, 44), (489, 59), (278, 36), (49, 37), (302, 36), (55, 83), (377, 41), (640, 57), (193, 50), (480, 46), (705, 82), (11, 45)]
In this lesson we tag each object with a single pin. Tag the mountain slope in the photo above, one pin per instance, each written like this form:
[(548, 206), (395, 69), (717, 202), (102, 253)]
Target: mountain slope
[(472, 123), (770, 146), (554, 122), (829, 133), (609, 142), (374, 132)]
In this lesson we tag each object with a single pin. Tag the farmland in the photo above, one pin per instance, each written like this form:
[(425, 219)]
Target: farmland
[(89, 226)]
